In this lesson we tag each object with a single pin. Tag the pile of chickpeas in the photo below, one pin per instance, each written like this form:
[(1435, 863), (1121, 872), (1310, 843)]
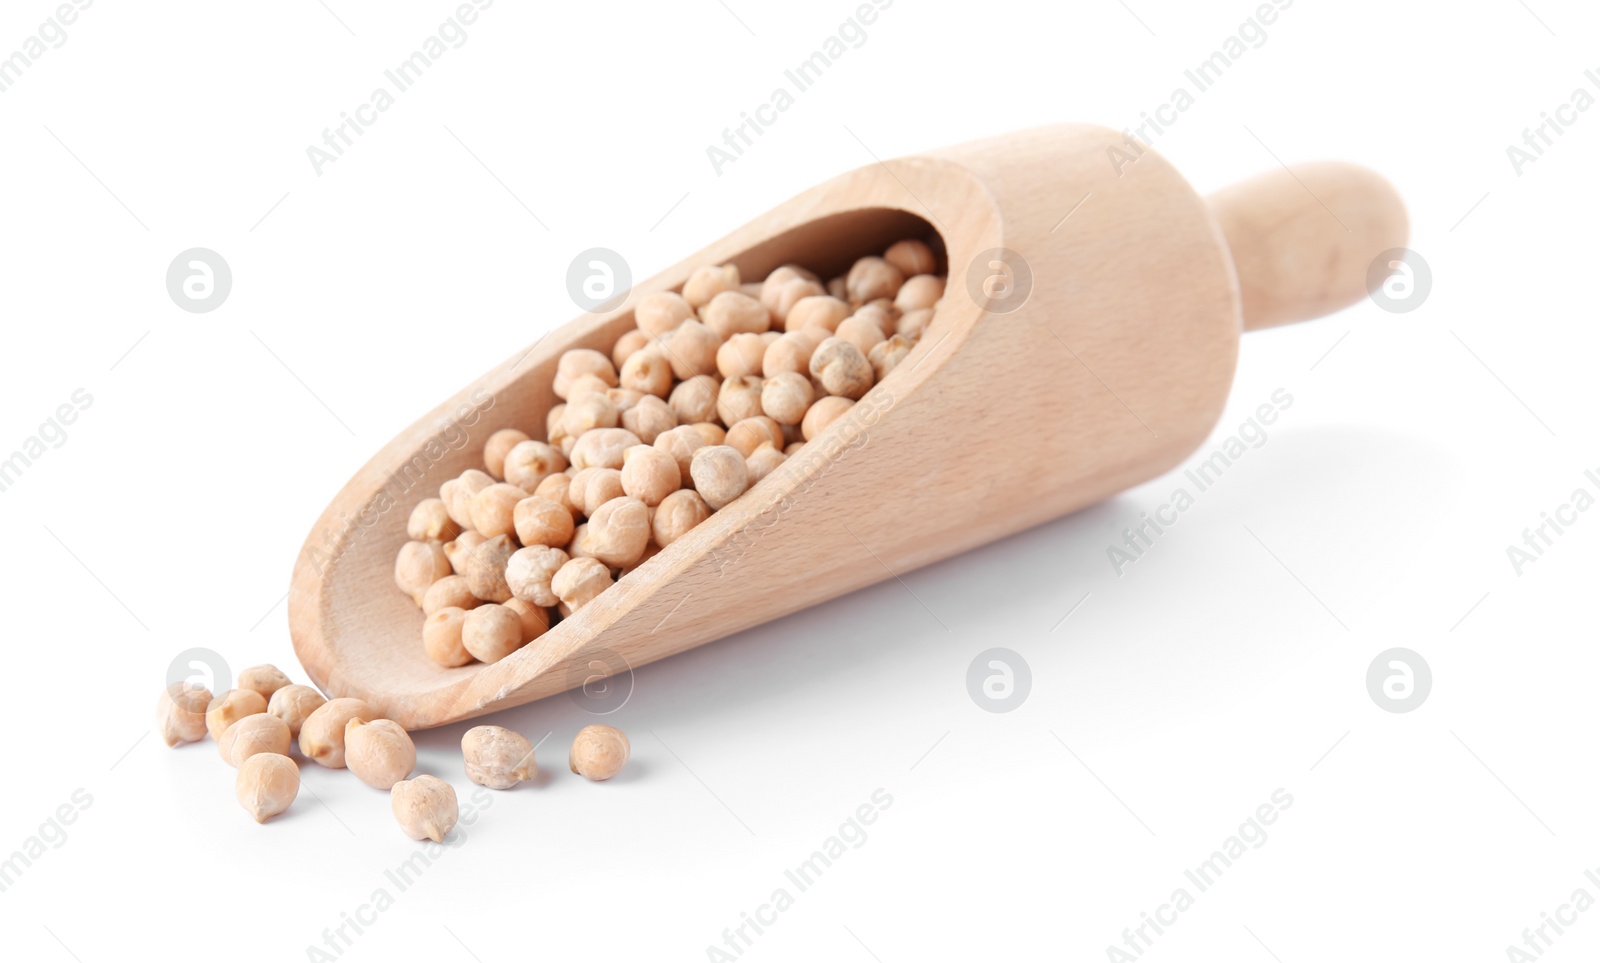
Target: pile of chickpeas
[(255, 725), (712, 391)]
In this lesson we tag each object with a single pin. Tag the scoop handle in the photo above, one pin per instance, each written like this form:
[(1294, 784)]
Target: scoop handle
[(1304, 237)]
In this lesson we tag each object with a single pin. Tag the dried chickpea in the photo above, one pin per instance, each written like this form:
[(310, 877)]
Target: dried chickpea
[(599, 752), (658, 313), (450, 591), (425, 807), (745, 436), (497, 757), (619, 530), (441, 636), (603, 448), (457, 492), (763, 461), (649, 418), (882, 312), (552, 424), (486, 569), (863, 331), (418, 566), (578, 547), (785, 397), (751, 289), (578, 582), (492, 508), (494, 450), (911, 257), (626, 345), (731, 313), (530, 570), (292, 704), (913, 324), (263, 679), (262, 732), (429, 522), (677, 513), (794, 448), (738, 399), (842, 369), (719, 474), (623, 399), (695, 399), (458, 551), (919, 292), (582, 361), (322, 734), (587, 384), (587, 413), (741, 355), (779, 279), (535, 619), (886, 355), (648, 371), (681, 443), (554, 488), (267, 783), (836, 288), (540, 521), (593, 487), (691, 349), (709, 281), (823, 413), (230, 707), (789, 293), (181, 713), (649, 474), (871, 278), (792, 352), (380, 752)]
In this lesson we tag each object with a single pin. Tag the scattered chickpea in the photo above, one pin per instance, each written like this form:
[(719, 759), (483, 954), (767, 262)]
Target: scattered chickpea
[(267, 783), (719, 474), (709, 281), (822, 414), (293, 703), (599, 752), (535, 619), (491, 632), (450, 591), (322, 734), (738, 399), (380, 751), (486, 569), (619, 530), (492, 509), (649, 474), (695, 399), (458, 551), (441, 637), (230, 707), (457, 492), (582, 361), (731, 313), (658, 313), (842, 369), (425, 807), (649, 418), (648, 371), (745, 436), (603, 448), (429, 522), (630, 342), (861, 330), (741, 355), (494, 450), (691, 348), (262, 732), (530, 570), (871, 278), (579, 581), (763, 461), (910, 257), (181, 713), (497, 757), (593, 487), (540, 521)]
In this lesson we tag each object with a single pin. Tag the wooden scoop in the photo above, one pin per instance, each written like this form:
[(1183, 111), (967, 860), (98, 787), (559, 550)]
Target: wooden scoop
[(1085, 344)]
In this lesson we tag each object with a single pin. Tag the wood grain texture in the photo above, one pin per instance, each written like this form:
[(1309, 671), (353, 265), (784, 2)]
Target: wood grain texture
[(1121, 357)]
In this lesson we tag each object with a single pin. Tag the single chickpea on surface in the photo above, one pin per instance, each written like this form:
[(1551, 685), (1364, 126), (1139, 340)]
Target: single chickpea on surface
[(452, 590), (491, 632), (719, 474), (230, 707), (441, 637), (529, 571), (425, 807), (497, 757), (322, 734), (262, 732), (495, 449), (293, 704), (380, 752), (181, 713), (267, 783), (429, 522), (418, 566), (599, 752), (677, 513), (579, 581)]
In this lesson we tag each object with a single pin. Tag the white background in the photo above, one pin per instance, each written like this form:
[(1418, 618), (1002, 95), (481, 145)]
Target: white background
[(1229, 662)]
